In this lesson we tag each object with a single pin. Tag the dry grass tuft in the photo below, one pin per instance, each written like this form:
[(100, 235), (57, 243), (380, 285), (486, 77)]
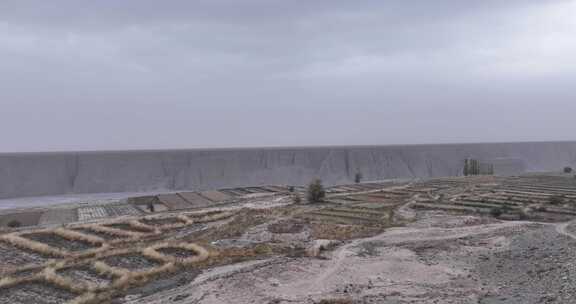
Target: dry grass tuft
[(185, 219), (49, 274), (78, 236), (107, 269), (210, 216), (181, 221), (112, 231), (342, 232), (10, 281), (142, 226)]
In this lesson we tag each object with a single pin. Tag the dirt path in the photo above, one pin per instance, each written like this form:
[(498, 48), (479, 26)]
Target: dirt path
[(340, 258)]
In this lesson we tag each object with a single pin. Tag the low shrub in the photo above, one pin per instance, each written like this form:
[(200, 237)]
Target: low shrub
[(14, 224), (316, 192), (496, 212), (556, 200), (297, 199)]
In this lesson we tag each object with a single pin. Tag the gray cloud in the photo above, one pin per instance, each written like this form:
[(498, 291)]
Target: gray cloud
[(147, 74)]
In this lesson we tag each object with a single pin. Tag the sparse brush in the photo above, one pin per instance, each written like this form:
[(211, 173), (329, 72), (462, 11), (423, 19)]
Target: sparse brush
[(184, 218), (112, 231), (8, 281), (179, 221), (130, 278), (200, 254), (107, 269), (14, 224), (211, 216), (87, 298), (138, 225), (49, 275)]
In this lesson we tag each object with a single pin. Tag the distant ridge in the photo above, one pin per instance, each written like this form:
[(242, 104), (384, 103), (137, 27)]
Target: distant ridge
[(54, 173)]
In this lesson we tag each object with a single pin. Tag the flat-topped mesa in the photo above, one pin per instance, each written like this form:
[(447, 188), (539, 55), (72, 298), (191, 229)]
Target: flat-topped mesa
[(34, 174)]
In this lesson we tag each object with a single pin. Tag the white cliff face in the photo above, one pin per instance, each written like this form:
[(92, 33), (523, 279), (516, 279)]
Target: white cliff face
[(30, 174)]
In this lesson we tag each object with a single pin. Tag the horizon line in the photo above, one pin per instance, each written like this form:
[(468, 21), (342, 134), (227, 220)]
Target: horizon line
[(276, 147)]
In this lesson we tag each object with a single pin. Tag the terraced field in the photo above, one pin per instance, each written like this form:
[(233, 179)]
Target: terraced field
[(543, 198), (124, 252), (134, 206), (361, 204)]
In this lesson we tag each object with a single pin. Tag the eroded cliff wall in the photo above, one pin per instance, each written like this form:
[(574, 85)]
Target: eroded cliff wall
[(31, 174)]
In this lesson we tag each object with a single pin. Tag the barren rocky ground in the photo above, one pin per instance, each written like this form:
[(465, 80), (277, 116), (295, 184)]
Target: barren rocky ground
[(503, 262)]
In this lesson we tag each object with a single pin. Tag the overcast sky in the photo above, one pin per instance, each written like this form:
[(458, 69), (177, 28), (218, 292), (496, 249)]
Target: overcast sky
[(144, 74)]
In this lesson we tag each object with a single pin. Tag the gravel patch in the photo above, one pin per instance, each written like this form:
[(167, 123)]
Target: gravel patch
[(162, 283), (538, 267), (127, 227), (87, 274), (12, 255), (287, 226), (132, 262), (36, 293), (102, 235), (177, 252), (162, 221)]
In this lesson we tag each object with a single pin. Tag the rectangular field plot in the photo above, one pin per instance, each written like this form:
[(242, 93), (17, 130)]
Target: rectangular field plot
[(195, 199), (121, 210), (142, 204), (57, 241), (215, 196), (240, 191), (131, 262), (372, 186), (35, 293), (127, 227), (335, 190), (349, 216), (232, 192), (91, 213), (372, 205), (26, 273), (158, 207), (256, 189), (174, 201), (339, 189), (162, 283), (58, 216), (14, 256), (275, 188), (21, 219), (381, 198), (176, 252), (447, 207), (87, 275)]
